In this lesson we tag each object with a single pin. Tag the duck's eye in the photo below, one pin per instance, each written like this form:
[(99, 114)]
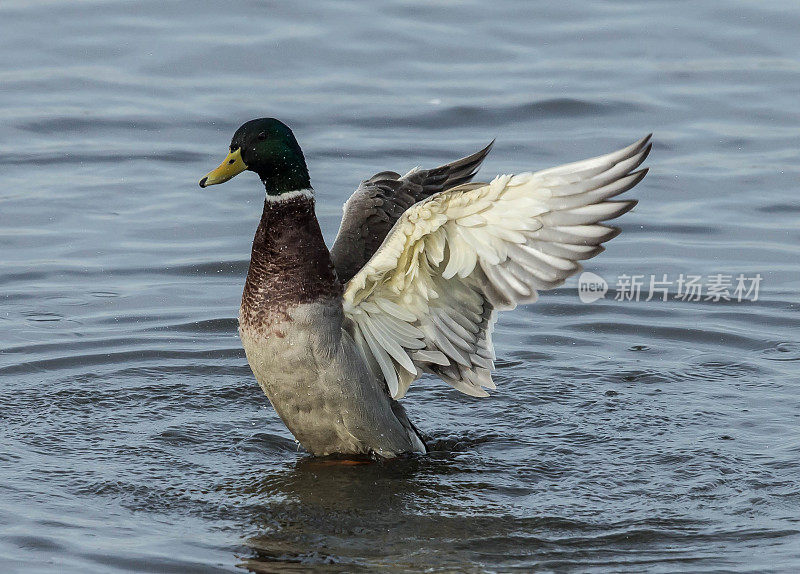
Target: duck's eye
[(262, 136), (233, 148)]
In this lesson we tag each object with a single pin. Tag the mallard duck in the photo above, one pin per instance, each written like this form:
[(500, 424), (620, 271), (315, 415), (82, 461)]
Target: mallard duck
[(419, 269)]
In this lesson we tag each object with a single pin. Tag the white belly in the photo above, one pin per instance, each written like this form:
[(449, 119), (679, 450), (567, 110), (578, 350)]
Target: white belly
[(315, 379)]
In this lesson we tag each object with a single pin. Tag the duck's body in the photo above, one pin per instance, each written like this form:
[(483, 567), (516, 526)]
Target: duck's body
[(419, 267), (291, 325)]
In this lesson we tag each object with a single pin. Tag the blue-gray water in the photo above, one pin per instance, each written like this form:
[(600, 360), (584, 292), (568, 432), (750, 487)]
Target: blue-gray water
[(624, 436)]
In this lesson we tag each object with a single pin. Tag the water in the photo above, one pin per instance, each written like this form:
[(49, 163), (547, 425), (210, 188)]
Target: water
[(624, 436)]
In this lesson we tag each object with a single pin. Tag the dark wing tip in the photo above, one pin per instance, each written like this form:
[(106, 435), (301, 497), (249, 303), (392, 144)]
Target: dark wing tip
[(621, 207), (644, 153), (613, 231), (634, 178), (464, 169), (629, 204)]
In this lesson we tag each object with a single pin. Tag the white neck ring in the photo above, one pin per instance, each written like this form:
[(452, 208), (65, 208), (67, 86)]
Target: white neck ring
[(286, 196)]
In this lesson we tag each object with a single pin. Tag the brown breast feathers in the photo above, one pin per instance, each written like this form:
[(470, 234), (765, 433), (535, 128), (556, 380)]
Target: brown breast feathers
[(289, 264)]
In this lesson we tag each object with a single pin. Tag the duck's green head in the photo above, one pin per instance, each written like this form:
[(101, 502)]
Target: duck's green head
[(269, 148)]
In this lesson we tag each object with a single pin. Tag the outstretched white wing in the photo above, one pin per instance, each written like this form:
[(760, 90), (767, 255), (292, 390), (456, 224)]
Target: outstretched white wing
[(426, 300)]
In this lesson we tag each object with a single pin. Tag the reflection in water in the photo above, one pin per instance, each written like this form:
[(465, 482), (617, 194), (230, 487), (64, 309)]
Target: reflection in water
[(337, 515), (446, 511), (343, 516)]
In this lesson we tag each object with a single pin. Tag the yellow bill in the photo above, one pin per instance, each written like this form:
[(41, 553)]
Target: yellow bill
[(230, 167)]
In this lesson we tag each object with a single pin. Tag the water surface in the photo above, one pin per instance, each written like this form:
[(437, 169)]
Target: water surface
[(624, 436)]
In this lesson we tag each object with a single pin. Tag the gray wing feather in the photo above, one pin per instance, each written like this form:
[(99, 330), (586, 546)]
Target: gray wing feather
[(379, 202)]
